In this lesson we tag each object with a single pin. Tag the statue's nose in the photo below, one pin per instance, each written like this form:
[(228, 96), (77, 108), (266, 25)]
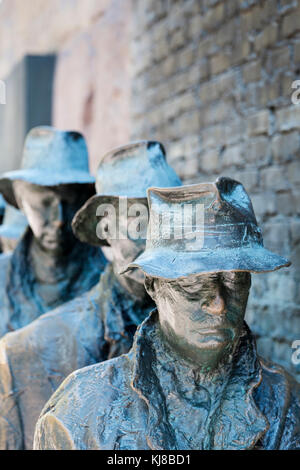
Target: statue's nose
[(216, 306)]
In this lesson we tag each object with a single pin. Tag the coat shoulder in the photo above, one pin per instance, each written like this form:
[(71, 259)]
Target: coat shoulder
[(85, 398), (278, 396), (67, 320)]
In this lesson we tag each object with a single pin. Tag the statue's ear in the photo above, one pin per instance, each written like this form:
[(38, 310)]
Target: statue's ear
[(149, 286), (17, 194)]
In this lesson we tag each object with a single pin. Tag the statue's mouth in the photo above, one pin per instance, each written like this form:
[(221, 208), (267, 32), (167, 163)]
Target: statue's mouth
[(218, 334)]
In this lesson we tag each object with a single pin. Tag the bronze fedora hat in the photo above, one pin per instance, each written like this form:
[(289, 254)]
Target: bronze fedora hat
[(224, 237), (51, 157), (124, 172)]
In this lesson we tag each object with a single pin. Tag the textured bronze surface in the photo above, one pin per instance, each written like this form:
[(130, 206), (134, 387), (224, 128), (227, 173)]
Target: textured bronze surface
[(96, 326), (49, 265), (193, 379)]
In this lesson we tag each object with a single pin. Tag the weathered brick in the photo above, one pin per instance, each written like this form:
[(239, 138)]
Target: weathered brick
[(295, 231), (195, 26), (217, 112), (208, 92), (285, 146), (214, 17), (251, 19), (226, 33), (188, 123), (272, 178), (264, 204), (233, 156), (258, 123), (297, 53), (209, 161), (252, 72), (241, 50), (258, 151), (208, 46), (286, 203), (213, 136), (219, 63), (160, 49), (266, 38), (185, 57), (291, 23), (179, 104), (280, 58), (234, 132), (169, 65), (294, 172), (177, 39), (288, 118)]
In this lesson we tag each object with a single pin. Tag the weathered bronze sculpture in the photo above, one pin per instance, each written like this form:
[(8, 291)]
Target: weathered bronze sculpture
[(97, 325), (193, 379), (49, 266), (12, 229)]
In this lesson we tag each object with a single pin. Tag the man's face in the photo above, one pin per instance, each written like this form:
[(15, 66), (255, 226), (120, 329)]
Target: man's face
[(127, 247), (203, 314), (49, 211)]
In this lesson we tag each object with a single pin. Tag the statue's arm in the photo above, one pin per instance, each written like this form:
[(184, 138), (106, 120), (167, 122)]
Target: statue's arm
[(290, 438), (52, 434), (52, 431), (11, 435)]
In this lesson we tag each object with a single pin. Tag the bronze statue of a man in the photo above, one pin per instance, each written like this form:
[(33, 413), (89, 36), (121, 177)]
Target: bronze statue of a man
[(49, 265), (193, 379), (101, 323)]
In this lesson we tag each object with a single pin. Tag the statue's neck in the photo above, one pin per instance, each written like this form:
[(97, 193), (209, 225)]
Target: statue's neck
[(208, 365), (50, 268)]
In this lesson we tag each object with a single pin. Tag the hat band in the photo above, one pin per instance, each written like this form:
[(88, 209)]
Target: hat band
[(209, 237)]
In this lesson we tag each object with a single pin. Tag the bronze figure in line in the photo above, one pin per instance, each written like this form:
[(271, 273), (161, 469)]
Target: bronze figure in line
[(193, 379), (99, 324)]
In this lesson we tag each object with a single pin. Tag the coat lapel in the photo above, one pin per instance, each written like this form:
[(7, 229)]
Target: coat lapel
[(236, 423)]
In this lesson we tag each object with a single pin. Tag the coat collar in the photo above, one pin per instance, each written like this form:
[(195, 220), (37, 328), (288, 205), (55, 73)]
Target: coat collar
[(120, 312), (235, 423), (23, 302)]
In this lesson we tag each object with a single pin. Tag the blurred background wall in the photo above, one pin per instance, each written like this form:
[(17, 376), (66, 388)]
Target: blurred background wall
[(211, 79), (91, 41)]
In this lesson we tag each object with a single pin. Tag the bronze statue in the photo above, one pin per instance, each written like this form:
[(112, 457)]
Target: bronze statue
[(12, 229), (193, 379), (49, 265), (98, 325)]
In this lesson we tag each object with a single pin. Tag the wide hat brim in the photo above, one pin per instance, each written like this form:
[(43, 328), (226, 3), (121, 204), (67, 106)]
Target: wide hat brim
[(170, 264), (40, 178)]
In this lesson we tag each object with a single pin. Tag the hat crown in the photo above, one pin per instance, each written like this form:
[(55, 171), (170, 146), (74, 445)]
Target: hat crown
[(208, 216), (49, 149), (130, 170)]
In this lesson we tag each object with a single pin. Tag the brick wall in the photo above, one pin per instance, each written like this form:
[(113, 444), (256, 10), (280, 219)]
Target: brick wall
[(212, 79)]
